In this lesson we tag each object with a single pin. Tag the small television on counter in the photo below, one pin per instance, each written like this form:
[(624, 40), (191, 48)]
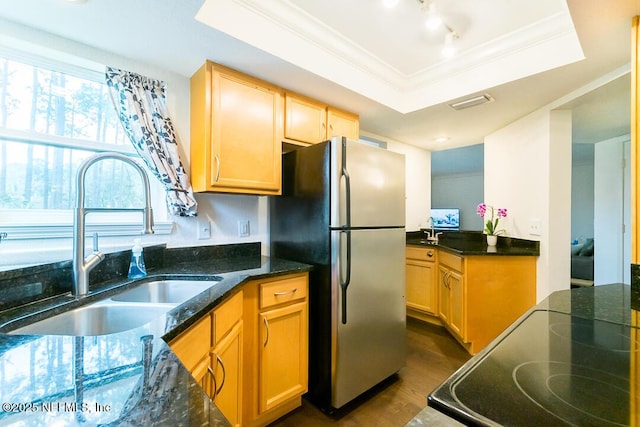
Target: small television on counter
[(446, 218)]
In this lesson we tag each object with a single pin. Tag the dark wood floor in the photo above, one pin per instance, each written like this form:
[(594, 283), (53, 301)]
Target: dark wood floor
[(432, 356)]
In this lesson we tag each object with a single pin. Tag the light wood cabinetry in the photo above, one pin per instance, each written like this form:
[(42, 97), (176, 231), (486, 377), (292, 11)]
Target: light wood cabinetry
[(474, 297), (450, 284), (308, 121), (212, 351), (236, 132), (342, 123), (422, 282), (635, 140), (276, 366), (305, 119)]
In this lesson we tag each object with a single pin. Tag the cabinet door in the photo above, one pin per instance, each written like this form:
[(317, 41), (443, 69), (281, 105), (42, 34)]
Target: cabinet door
[(444, 296), (246, 135), (456, 301), (422, 290), (226, 362), (283, 354), (305, 120), (341, 123), (203, 375)]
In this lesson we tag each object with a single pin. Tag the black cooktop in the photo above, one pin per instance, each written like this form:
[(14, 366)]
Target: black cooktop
[(553, 369)]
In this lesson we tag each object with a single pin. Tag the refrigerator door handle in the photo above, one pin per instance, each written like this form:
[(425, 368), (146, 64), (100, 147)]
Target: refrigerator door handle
[(344, 284), (347, 182)]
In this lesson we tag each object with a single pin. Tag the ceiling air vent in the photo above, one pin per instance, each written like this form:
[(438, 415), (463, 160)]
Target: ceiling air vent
[(471, 102)]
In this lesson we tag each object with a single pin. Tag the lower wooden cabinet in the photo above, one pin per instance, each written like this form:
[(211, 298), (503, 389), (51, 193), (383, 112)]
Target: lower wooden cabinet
[(421, 282), (276, 345), (474, 297), (450, 287), (226, 359), (250, 354), (283, 355), (211, 350)]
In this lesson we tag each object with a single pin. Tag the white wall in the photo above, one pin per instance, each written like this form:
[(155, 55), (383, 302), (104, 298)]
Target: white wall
[(582, 200), (418, 181), (462, 191), (528, 171), (612, 255)]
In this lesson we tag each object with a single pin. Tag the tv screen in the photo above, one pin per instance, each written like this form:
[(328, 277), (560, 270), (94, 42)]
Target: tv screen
[(446, 218)]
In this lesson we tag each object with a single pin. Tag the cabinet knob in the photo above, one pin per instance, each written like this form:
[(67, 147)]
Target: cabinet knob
[(430, 254)]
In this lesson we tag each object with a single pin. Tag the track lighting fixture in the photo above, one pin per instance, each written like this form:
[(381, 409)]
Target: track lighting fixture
[(434, 21)]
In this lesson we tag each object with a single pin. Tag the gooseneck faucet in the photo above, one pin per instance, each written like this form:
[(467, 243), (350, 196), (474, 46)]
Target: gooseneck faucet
[(82, 265)]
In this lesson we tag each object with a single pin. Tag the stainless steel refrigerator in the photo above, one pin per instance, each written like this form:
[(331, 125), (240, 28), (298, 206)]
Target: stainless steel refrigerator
[(342, 210)]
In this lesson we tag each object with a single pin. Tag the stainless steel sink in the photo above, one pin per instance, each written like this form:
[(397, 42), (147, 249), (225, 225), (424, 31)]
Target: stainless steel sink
[(101, 318), (166, 291)]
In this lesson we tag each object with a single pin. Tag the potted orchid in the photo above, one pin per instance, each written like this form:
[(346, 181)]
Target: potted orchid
[(491, 226)]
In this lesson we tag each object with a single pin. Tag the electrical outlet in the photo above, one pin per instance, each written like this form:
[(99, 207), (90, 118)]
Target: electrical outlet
[(535, 227), (204, 229), (243, 228)]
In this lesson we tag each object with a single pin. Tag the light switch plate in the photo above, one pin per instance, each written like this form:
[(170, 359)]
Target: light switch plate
[(243, 228)]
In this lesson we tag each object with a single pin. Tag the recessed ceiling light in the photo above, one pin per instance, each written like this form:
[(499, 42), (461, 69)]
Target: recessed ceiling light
[(390, 3), (442, 139)]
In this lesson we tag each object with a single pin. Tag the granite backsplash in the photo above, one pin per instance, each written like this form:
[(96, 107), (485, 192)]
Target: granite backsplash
[(26, 285)]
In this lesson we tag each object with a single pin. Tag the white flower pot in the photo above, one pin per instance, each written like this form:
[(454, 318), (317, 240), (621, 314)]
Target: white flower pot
[(492, 240)]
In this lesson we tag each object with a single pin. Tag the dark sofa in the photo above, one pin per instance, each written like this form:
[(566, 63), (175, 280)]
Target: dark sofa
[(582, 263)]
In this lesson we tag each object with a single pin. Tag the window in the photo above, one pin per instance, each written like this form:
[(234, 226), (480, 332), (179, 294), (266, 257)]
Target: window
[(52, 117)]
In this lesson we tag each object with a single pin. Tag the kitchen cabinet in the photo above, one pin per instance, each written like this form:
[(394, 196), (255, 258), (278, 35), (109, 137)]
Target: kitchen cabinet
[(308, 121), (342, 123), (450, 285), (212, 350), (480, 296), (422, 282), (305, 119), (236, 132), (276, 366)]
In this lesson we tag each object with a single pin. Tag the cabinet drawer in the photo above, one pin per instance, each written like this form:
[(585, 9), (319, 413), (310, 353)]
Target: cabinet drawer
[(193, 344), (452, 261), (226, 316), (421, 253), (283, 291)]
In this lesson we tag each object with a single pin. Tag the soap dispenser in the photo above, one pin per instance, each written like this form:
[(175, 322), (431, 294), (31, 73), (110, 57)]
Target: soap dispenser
[(137, 268)]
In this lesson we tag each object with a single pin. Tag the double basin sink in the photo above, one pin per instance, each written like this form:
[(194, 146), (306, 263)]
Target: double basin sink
[(121, 312)]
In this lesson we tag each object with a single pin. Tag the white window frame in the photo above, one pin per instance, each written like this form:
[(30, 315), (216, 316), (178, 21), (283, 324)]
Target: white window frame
[(28, 224)]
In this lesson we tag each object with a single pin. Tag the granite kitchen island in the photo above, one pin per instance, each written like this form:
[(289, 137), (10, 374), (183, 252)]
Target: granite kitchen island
[(573, 359)]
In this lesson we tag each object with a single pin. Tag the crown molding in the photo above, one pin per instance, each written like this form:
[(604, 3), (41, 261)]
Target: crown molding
[(284, 30)]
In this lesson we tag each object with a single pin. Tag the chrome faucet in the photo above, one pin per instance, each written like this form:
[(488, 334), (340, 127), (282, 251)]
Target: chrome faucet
[(82, 265)]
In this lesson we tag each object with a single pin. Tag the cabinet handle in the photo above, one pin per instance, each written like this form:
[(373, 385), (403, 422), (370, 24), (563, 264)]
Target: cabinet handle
[(323, 132), (215, 383), (430, 254), (279, 294), (217, 167), (266, 325), (224, 376)]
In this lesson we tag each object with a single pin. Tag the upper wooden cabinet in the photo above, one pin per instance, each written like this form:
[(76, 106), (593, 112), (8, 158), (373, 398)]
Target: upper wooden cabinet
[(236, 132), (308, 121), (305, 119), (342, 123)]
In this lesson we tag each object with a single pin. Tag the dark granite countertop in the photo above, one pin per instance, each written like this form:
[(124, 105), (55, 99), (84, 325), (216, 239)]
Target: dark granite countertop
[(586, 333), (128, 378), (470, 243)]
